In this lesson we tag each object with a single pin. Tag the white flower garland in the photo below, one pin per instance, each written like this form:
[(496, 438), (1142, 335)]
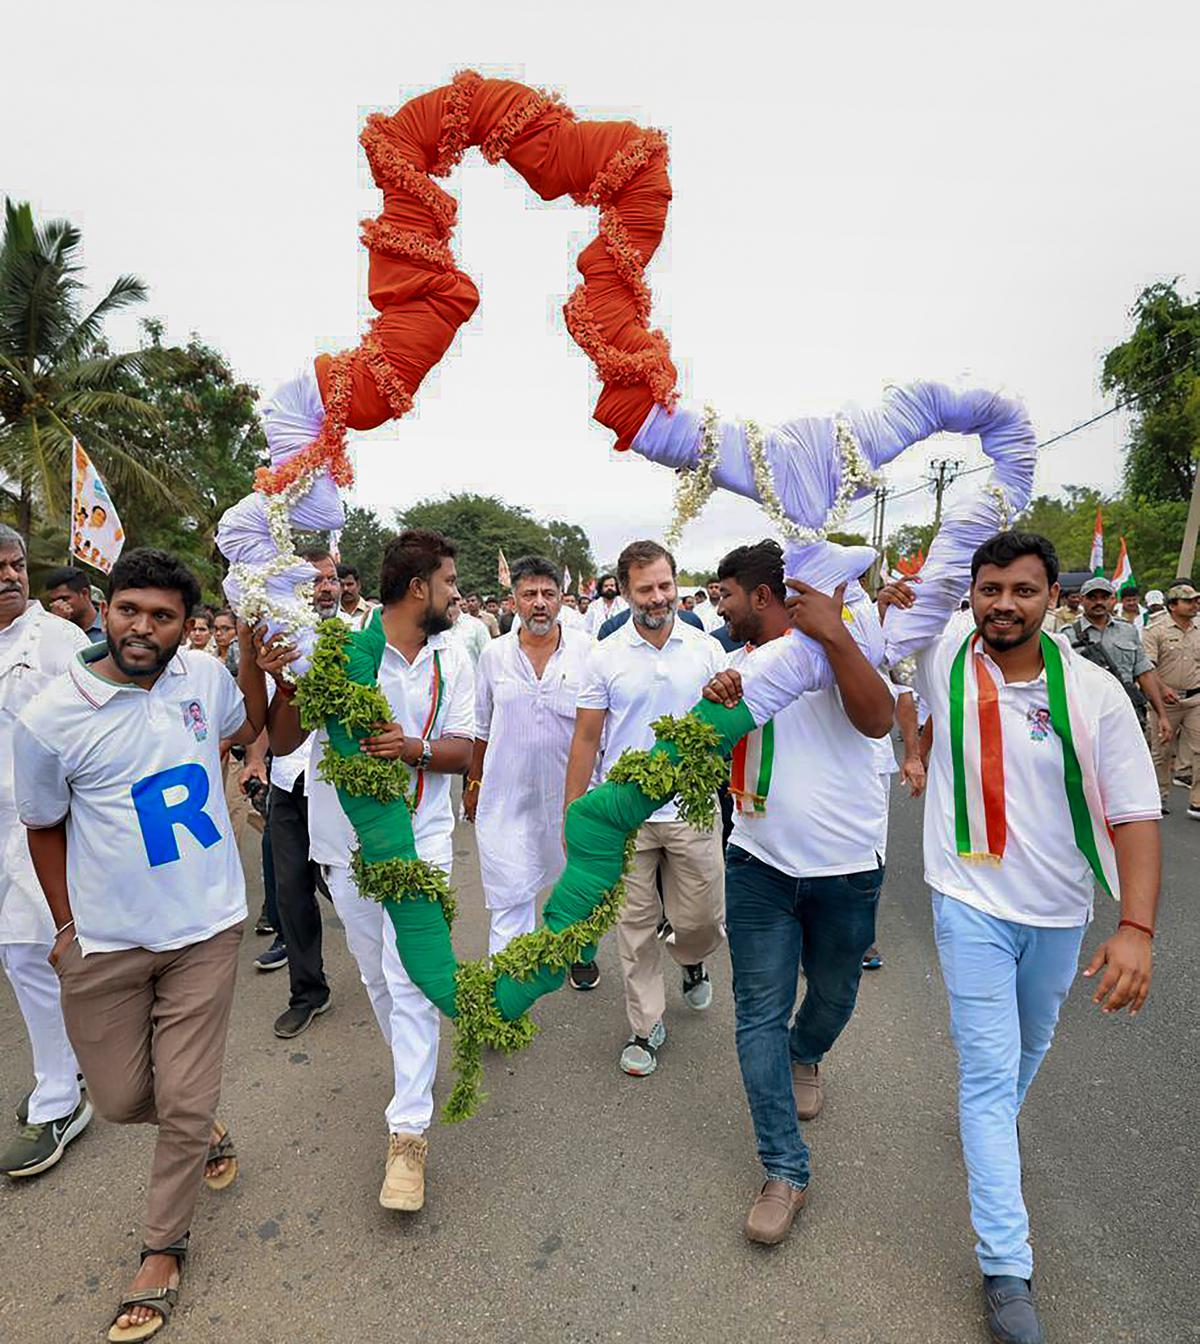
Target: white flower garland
[(694, 486), (1003, 508), (856, 475)]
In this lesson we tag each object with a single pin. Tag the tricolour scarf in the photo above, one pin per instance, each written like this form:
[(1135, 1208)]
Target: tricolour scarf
[(750, 769), (977, 751)]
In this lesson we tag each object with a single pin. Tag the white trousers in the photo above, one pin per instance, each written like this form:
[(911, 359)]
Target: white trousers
[(508, 922), (408, 1021), (55, 1070)]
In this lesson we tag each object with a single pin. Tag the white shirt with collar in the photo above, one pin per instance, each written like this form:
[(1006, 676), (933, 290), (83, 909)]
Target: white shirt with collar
[(637, 683), (34, 649), (1043, 879), (408, 688), (599, 611), (527, 722), (360, 617), (136, 775)]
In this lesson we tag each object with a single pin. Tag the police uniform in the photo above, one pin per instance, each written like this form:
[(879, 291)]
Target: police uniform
[(1119, 640), (1175, 653)]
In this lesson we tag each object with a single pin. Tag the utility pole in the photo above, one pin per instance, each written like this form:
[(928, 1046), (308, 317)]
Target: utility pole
[(877, 532), (942, 471)]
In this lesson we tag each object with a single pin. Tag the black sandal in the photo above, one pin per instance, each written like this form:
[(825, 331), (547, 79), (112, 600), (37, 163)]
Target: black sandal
[(160, 1300), (222, 1151)]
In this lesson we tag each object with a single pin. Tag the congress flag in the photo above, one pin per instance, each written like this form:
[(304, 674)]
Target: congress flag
[(96, 532), (566, 578), (1096, 563), (503, 577), (1123, 574)]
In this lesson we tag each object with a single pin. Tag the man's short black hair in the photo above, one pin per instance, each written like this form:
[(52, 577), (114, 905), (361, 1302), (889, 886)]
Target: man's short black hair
[(148, 568), (752, 566), (533, 567), (1005, 547), (415, 554), (68, 576), (314, 553), (347, 571)]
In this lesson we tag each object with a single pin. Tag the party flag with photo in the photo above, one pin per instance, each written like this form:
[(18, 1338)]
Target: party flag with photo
[(96, 532)]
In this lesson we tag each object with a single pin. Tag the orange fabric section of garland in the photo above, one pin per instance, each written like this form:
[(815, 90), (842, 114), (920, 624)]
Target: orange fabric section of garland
[(422, 298)]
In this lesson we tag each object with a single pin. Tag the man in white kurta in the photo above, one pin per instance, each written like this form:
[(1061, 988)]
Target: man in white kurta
[(526, 687), (428, 682), (35, 647)]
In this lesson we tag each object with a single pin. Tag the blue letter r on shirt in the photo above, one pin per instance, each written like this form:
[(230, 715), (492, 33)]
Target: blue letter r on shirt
[(158, 818)]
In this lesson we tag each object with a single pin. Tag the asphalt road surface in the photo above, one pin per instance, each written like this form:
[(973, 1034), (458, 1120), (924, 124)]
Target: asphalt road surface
[(582, 1205)]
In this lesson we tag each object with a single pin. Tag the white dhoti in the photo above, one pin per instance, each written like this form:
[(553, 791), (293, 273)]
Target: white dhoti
[(519, 857), (407, 1019), (55, 1070)]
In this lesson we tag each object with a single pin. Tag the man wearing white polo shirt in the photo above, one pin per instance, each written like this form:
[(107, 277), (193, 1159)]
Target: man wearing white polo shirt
[(803, 869), (118, 778), (526, 687), (1041, 788), (429, 684), (653, 665), (607, 603)]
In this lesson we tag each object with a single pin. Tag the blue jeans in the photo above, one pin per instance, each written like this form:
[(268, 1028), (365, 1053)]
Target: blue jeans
[(778, 924), (1005, 982)]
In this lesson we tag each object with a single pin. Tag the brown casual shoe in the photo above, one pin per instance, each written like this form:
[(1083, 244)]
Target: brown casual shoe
[(809, 1090), (404, 1177), (773, 1212)]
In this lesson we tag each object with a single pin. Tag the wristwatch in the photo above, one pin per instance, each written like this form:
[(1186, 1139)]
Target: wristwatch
[(426, 755)]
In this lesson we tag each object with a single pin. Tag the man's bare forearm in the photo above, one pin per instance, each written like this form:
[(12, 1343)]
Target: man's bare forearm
[(48, 850), (1139, 867)]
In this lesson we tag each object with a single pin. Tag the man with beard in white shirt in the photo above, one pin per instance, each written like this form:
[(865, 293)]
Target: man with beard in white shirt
[(653, 665), (526, 687), (607, 602), (803, 867), (429, 684), (35, 647)]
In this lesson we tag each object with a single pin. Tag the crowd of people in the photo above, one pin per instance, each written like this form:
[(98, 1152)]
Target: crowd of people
[(146, 737)]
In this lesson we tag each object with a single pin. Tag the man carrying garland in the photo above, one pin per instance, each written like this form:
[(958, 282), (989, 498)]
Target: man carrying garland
[(526, 687), (1031, 742), (803, 867), (653, 665), (427, 680), (118, 778)]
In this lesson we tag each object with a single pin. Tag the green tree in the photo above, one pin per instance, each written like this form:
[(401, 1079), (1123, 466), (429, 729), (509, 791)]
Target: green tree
[(483, 525), (1158, 370), (205, 434), (59, 379), (908, 539), (362, 544)]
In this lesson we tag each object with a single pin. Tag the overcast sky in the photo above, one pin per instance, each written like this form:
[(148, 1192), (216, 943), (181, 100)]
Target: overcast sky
[(862, 193)]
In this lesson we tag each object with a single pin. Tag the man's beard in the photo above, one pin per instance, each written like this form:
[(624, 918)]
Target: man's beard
[(1011, 637), (327, 610), (654, 620), (538, 625), (129, 670), (434, 622), (746, 629)]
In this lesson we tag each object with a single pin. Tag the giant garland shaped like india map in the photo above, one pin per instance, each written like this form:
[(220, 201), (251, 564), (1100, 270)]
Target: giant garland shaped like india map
[(803, 473)]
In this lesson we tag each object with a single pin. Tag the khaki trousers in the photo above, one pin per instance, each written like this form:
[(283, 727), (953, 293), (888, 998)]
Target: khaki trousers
[(1184, 718), (693, 899), (149, 1031)]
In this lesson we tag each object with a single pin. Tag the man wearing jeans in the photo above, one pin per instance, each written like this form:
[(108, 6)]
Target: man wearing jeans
[(1032, 744), (802, 872)]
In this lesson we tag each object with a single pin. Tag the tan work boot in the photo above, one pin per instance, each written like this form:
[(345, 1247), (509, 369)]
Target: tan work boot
[(404, 1177), (809, 1090), (773, 1212)]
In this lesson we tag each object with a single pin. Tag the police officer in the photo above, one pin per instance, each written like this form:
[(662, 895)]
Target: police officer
[(1117, 646), (1173, 646)]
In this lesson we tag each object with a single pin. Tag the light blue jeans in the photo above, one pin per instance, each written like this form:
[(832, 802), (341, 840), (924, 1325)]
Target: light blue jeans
[(1006, 983)]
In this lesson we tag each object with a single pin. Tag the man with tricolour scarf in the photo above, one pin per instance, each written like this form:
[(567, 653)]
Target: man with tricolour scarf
[(1031, 743)]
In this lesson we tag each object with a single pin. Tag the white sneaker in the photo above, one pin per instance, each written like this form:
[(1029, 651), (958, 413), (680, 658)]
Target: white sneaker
[(697, 987), (640, 1056)]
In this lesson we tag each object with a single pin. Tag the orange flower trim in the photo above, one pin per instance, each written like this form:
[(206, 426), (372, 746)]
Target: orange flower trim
[(456, 122), (620, 170), (387, 380), (500, 139), (627, 262), (381, 236), (328, 449), (391, 169)]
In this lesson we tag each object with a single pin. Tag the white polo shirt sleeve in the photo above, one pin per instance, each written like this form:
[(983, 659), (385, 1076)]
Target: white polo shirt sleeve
[(231, 707), (43, 796), (594, 688), (484, 701), (459, 720), (1124, 764)]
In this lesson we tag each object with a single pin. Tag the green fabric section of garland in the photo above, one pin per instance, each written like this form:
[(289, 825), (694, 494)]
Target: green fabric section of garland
[(489, 1002)]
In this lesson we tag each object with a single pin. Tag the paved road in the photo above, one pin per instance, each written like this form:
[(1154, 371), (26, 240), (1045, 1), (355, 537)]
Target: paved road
[(585, 1206)]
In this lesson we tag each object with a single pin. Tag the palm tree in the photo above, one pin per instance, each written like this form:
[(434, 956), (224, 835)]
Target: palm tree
[(58, 379)]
